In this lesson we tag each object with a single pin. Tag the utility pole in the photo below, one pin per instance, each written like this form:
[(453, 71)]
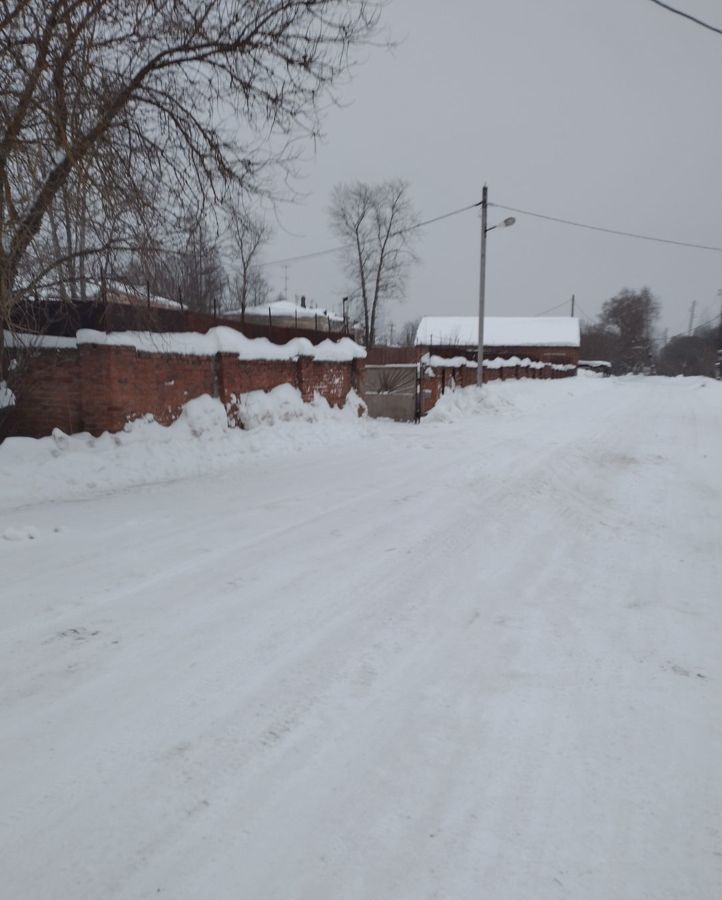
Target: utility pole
[(573, 305), (285, 282), (482, 288), (691, 316), (482, 279)]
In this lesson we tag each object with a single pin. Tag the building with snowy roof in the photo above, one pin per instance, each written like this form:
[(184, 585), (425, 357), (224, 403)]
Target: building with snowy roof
[(286, 314), (547, 339)]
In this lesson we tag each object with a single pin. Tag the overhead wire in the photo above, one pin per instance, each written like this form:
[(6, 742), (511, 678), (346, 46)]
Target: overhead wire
[(686, 15), (630, 234), (523, 212), (552, 308), (329, 250), (696, 328)]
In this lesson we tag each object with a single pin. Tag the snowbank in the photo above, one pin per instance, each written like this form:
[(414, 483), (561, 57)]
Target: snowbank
[(458, 404), (217, 340), (284, 404), (200, 441), (516, 397)]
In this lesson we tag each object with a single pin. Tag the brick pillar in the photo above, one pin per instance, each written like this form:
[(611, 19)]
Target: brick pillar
[(358, 369), (107, 387), (304, 377)]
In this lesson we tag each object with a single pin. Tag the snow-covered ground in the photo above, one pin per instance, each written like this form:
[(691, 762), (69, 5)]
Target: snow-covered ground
[(475, 658)]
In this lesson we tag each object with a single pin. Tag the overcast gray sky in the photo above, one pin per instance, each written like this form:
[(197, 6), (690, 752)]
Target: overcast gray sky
[(602, 111)]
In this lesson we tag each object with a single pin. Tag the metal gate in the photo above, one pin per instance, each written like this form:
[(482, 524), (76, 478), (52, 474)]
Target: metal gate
[(393, 391)]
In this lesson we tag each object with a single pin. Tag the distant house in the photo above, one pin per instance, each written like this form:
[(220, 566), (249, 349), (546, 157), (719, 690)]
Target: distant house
[(127, 295), (285, 314), (546, 339), (104, 306)]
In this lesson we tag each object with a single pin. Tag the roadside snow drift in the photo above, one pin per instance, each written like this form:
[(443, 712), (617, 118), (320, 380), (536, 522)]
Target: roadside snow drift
[(201, 440)]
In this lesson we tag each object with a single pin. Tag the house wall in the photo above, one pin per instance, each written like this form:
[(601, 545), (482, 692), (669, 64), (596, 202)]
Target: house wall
[(99, 388)]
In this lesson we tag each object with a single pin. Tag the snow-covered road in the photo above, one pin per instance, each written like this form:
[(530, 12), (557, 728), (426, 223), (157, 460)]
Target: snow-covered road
[(477, 658)]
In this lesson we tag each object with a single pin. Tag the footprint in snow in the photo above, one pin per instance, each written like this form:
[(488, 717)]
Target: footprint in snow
[(21, 533)]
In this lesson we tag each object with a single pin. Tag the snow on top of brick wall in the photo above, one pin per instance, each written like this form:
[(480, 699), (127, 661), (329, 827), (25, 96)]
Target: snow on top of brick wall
[(218, 340), (459, 362)]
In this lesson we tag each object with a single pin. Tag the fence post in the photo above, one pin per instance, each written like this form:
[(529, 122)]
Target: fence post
[(417, 405)]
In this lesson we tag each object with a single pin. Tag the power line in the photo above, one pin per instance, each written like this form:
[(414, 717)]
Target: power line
[(696, 328), (632, 234), (329, 250), (685, 15), (454, 212), (552, 308), (583, 311), (524, 212)]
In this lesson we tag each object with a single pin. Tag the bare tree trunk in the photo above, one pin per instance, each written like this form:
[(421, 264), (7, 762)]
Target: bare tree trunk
[(70, 268), (57, 250)]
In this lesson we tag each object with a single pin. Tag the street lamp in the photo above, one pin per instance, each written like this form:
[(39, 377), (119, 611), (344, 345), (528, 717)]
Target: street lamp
[(482, 280)]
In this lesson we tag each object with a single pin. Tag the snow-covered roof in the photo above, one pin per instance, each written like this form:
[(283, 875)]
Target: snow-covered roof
[(93, 290), (288, 309), (136, 293), (499, 331)]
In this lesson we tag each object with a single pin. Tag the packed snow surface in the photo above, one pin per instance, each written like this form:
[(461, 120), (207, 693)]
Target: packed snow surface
[(499, 331), (474, 658)]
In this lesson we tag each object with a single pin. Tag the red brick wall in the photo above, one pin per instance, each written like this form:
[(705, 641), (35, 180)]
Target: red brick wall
[(47, 389), (99, 388), (237, 376)]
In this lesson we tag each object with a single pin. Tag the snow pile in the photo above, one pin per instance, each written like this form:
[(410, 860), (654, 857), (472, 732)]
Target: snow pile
[(284, 404), (220, 339), (337, 351), (459, 404), (518, 397), (200, 441)]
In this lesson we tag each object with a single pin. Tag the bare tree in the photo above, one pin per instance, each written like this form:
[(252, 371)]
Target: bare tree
[(249, 234), (376, 224), (688, 354), (632, 314), (408, 332), (164, 85), (193, 274), (259, 290)]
